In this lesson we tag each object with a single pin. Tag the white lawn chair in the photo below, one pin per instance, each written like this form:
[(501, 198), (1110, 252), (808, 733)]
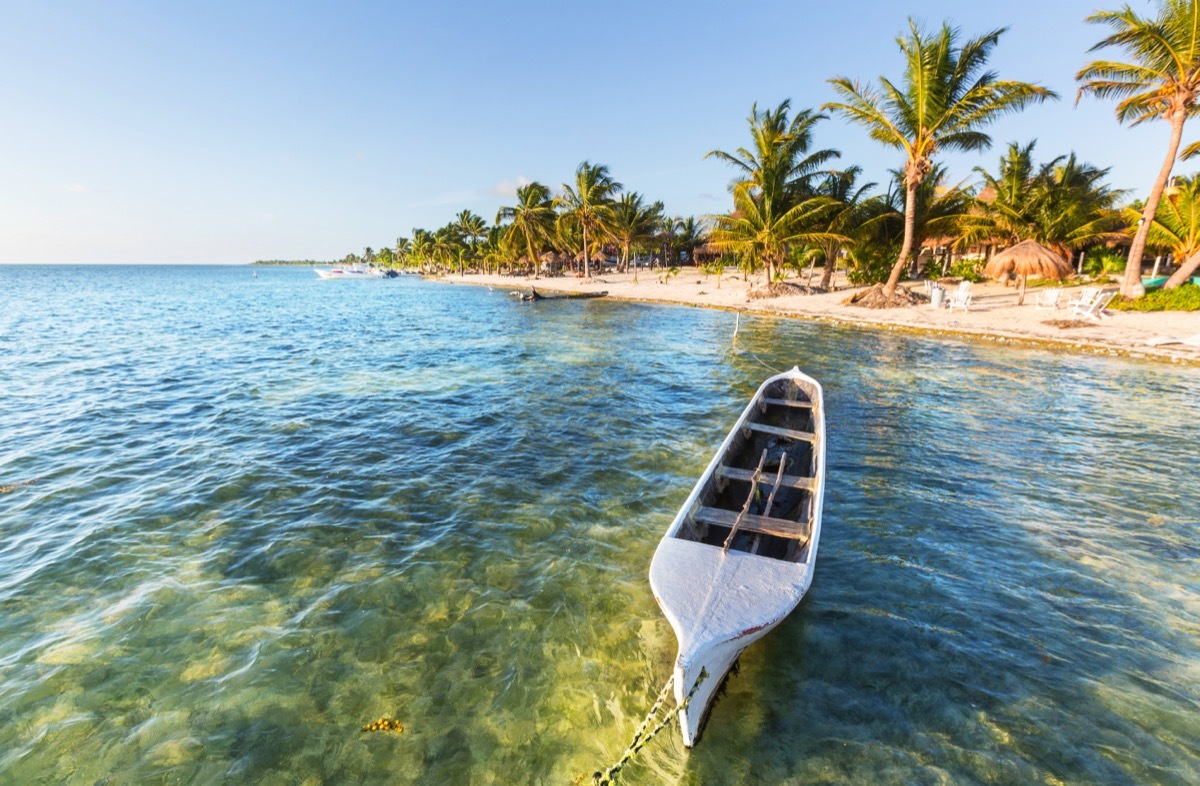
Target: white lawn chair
[(961, 297), (1094, 307), (1085, 297), (1047, 299)]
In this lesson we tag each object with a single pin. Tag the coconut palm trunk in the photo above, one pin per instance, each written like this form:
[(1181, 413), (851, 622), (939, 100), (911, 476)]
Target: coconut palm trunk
[(1131, 284), (587, 267), (910, 224), (1185, 271)]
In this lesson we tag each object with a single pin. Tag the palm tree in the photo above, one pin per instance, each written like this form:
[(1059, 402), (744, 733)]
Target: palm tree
[(403, 247), (447, 245), (1064, 204), (493, 250), (587, 204), (775, 175), (531, 220), (631, 222), (779, 166), (471, 228), (944, 99), (666, 235), (843, 190), (758, 235), (1176, 227), (940, 210), (1009, 216), (422, 248), (1076, 208), (689, 235), (1162, 82)]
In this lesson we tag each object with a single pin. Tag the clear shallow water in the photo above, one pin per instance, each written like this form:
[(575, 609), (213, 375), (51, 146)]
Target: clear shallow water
[(268, 511)]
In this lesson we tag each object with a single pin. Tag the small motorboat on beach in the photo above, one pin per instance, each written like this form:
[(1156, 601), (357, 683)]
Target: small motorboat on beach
[(353, 271), (740, 554)]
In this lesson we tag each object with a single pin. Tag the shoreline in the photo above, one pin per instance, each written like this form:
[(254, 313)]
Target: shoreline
[(993, 315)]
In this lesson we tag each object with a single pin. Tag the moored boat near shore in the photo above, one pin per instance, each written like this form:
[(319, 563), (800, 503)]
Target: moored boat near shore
[(352, 271), (740, 554), (533, 294)]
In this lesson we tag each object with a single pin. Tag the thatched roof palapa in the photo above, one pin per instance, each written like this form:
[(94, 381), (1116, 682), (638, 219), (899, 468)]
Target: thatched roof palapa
[(1027, 258)]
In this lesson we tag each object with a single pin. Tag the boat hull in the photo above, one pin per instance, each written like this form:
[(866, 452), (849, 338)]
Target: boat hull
[(721, 600), (346, 273)]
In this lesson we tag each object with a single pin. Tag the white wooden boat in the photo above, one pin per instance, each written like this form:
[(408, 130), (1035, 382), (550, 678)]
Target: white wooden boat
[(740, 553)]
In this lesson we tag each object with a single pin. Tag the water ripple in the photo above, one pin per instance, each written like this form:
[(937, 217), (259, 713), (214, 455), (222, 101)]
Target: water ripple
[(258, 513)]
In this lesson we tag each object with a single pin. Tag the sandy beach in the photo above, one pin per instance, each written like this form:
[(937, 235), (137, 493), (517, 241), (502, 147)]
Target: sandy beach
[(993, 315)]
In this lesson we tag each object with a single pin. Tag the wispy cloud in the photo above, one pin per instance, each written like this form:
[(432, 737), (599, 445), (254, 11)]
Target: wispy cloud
[(508, 188), (75, 188)]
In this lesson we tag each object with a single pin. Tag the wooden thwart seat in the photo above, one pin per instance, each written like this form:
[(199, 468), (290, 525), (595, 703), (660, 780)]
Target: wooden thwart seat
[(782, 528), (787, 481), (783, 402), (763, 428)]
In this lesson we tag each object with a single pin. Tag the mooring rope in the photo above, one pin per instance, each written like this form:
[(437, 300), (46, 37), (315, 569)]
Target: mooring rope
[(611, 776)]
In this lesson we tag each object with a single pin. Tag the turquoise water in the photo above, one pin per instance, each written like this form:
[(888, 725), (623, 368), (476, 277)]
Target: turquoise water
[(246, 516)]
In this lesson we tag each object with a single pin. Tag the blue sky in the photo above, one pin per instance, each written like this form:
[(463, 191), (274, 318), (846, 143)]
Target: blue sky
[(227, 132)]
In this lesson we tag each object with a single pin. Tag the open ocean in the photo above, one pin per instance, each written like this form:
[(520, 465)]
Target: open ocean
[(242, 517)]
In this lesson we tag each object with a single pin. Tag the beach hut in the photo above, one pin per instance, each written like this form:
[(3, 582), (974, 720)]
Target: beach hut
[(548, 261), (1027, 258)]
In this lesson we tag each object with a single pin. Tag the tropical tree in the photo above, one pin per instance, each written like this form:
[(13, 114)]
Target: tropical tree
[(422, 248), (587, 203), (1076, 208), (939, 209), (665, 236), (495, 250), (778, 166), (943, 100), (471, 229), (758, 235), (403, 247), (531, 221), (1162, 81), (774, 179), (1176, 227), (845, 216), (447, 246), (1064, 204), (631, 221), (690, 234)]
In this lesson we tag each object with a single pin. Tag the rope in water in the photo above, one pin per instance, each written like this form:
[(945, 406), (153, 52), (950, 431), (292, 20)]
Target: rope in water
[(611, 776), (737, 326)]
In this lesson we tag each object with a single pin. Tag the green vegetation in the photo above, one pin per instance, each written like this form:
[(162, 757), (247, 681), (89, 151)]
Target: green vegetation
[(1184, 298), (1102, 262), (967, 269), (1161, 81), (775, 207), (943, 100), (791, 208)]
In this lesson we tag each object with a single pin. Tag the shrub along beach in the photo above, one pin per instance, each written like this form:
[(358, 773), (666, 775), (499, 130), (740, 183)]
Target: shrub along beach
[(804, 224)]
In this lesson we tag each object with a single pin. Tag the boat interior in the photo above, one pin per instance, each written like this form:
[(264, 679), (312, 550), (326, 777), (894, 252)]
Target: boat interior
[(759, 498)]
